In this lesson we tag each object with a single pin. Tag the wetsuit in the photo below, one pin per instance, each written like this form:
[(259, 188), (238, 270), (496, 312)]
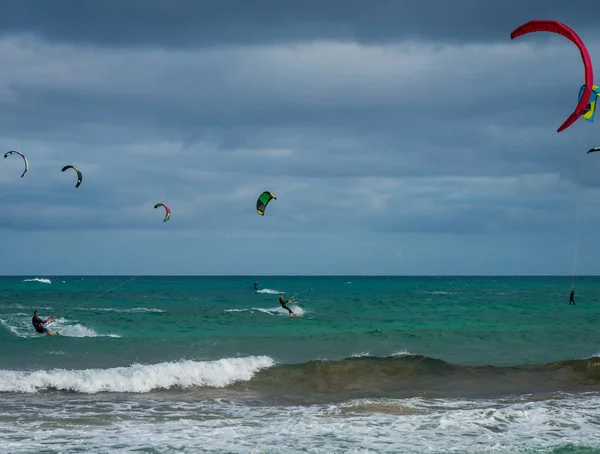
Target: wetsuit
[(572, 298), (38, 324), (284, 305), (255, 286)]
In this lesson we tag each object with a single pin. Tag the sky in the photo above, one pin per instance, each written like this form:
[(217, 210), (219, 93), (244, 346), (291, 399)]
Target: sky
[(400, 138)]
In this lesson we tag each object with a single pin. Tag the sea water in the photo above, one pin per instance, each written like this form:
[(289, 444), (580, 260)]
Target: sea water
[(370, 364)]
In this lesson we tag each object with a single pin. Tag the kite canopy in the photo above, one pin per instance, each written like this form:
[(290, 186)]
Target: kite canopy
[(24, 159), (263, 201), (562, 29), (592, 150), (167, 211), (79, 176), (590, 110)]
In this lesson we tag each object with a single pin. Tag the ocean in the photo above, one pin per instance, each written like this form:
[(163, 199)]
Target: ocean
[(370, 365)]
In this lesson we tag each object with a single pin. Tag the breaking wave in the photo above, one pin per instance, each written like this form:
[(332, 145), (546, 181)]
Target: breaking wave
[(137, 378), (38, 279), (401, 376)]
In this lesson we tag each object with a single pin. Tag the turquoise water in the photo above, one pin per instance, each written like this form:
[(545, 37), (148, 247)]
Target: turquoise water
[(393, 360)]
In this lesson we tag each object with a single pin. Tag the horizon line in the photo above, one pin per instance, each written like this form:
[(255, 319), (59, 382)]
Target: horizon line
[(39, 275)]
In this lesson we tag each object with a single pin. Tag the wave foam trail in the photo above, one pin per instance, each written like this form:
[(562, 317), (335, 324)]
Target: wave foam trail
[(137, 378), (269, 291), (271, 311), (112, 309), (65, 328), (38, 279), (297, 310), (11, 329), (20, 326)]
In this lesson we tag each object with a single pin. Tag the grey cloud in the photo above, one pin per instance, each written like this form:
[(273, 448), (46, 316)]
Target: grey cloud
[(196, 107), (182, 23)]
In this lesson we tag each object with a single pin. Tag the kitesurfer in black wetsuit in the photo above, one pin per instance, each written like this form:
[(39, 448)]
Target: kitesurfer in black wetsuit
[(572, 298), (38, 324), (284, 305), (255, 287)]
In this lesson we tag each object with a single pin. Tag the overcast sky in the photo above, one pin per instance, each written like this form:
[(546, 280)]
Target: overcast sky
[(400, 137)]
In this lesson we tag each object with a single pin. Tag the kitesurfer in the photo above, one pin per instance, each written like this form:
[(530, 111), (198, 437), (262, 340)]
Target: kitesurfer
[(572, 298), (38, 324), (284, 305), (255, 287)]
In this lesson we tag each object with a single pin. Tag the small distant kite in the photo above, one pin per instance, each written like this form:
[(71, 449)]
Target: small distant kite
[(167, 211), (263, 201), (592, 150), (79, 176), (24, 159), (590, 110), (561, 29)]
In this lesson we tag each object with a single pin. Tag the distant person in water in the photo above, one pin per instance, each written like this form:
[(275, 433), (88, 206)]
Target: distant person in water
[(572, 298), (38, 324), (284, 305), (255, 287)]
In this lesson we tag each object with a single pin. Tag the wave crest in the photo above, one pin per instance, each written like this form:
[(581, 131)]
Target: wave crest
[(137, 378), (42, 280)]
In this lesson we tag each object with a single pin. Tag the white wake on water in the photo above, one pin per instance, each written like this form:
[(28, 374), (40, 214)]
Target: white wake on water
[(299, 311), (6, 324), (42, 280), (137, 378), (69, 329), (112, 309), (269, 291), (19, 324)]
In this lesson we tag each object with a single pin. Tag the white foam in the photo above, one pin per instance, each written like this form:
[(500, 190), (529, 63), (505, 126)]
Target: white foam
[(10, 327), (384, 425), (20, 325), (269, 291), (252, 309), (38, 279), (20, 306), (137, 378), (132, 310), (69, 328), (271, 310), (299, 311)]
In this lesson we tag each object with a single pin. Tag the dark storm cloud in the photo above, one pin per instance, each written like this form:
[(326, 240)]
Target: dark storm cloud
[(183, 23)]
